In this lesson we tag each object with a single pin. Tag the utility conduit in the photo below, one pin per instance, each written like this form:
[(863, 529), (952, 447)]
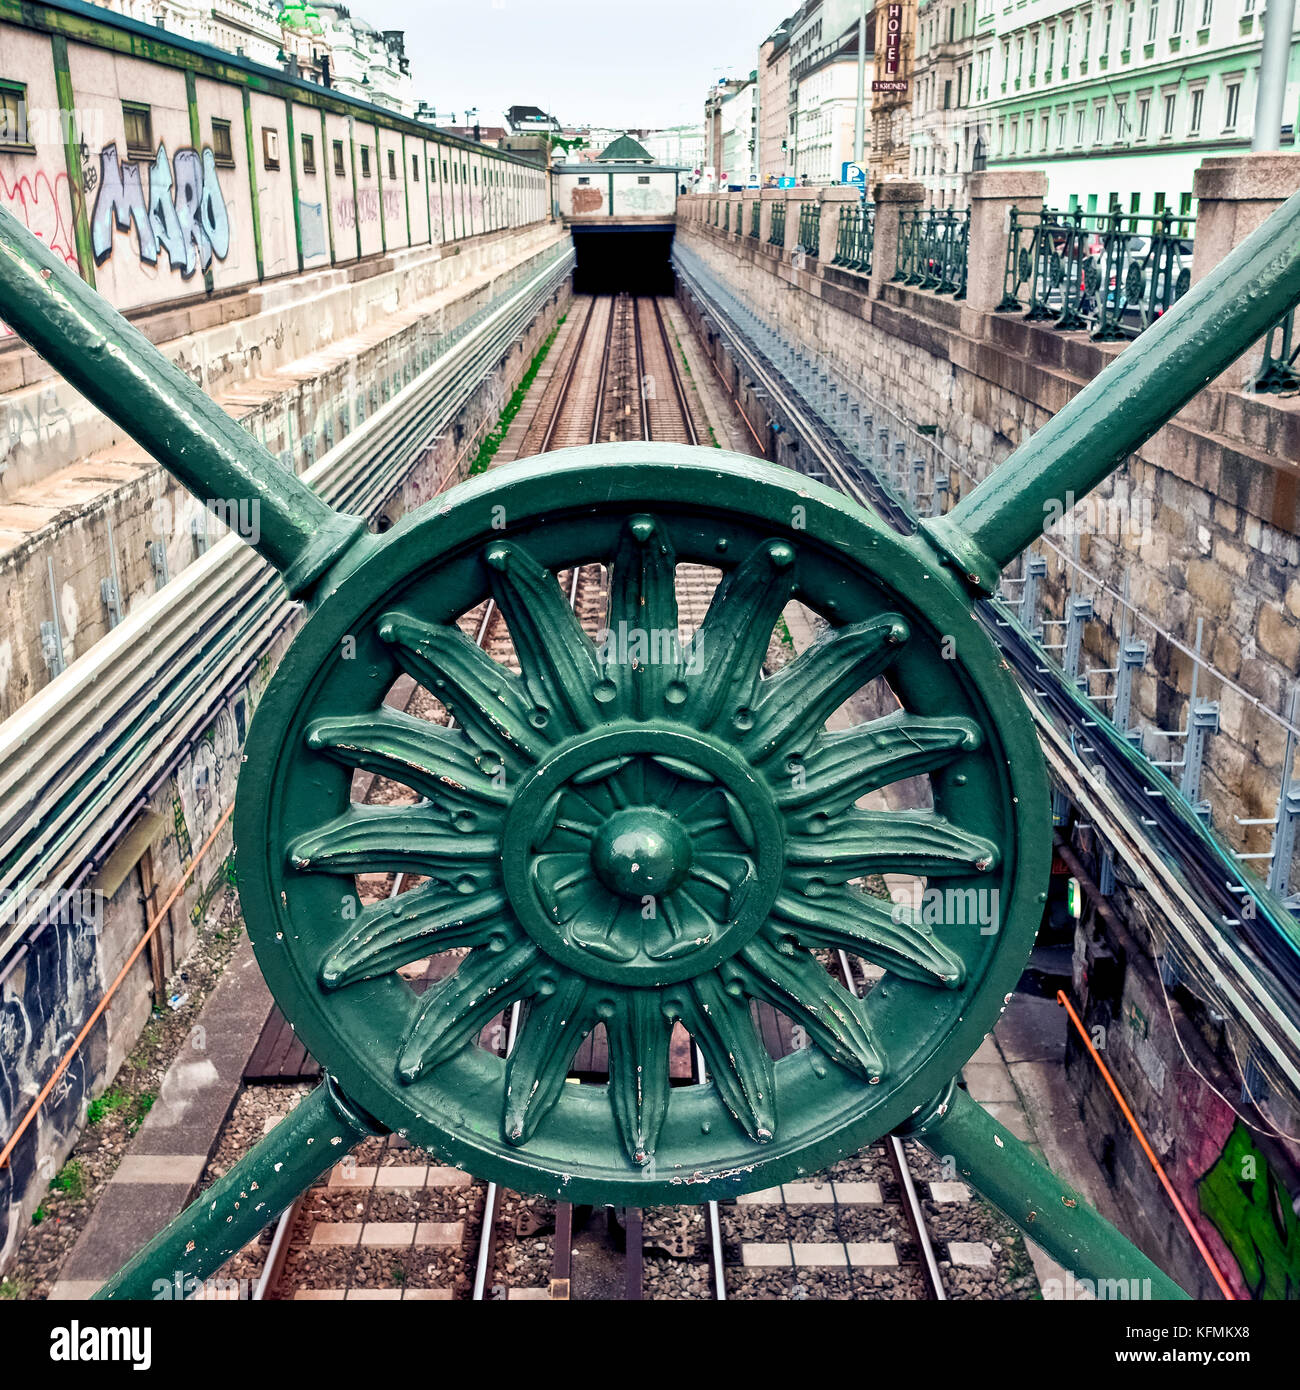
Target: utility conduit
[(1187, 1221), (103, 1004)]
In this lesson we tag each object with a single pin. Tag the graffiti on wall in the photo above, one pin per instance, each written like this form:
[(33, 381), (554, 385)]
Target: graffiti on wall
[(587, 199), (43, 1006), (183, 211), (1243, 1198), (43, 205)]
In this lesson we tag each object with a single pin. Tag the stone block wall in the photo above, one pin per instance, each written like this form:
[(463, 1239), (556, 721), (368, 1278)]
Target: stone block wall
[(1202, 523)]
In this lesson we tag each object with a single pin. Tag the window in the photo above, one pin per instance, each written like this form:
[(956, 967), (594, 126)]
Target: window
[(1044, 131), (1080, 115), (223, 151), (1051, 48), (947, 96), (13, 114), (1153, 21), (270, 147), (308, 154), (139, 129), (1121, 118), (392, 164), (1176, 27), (1087, 36), (338, 157), (1198, 105), (1105, 33), (1232, 94), (1207, 13), (1060, 129), (643, 178), (1144, 117), (1065, 45), (1099, 129), (365, 161), (1013, 135), (415, 167), (582, 178), (1128, 25), (1171, 110)]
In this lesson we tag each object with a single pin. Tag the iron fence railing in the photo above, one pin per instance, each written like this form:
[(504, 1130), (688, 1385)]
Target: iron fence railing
[(777, 235), (932, 250), (1278, 371), (810, 228), (755, 218), (1113, 274), (855, 238)]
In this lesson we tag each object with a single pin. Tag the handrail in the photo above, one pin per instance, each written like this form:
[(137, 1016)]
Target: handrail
[(1214, 1269)]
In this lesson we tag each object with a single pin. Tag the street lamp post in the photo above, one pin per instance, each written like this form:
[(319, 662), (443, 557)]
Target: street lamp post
[(1274, 57), (860, 114)]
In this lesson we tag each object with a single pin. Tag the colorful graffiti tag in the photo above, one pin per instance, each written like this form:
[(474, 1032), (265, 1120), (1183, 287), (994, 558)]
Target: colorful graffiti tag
[(1252, 1212), (184, 212)]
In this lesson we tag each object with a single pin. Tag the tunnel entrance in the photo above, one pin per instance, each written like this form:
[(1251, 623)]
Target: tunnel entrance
[(628, 260)]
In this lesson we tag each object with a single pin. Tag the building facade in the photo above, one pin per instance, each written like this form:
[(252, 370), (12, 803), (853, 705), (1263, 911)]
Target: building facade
[(774, 110), (740, 136), (1120, 100), (948, 132), (823, 73), (891, 103), (681, 145)]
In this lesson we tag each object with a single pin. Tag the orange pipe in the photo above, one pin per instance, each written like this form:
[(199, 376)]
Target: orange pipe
[(1224, 1287), (112, 989)]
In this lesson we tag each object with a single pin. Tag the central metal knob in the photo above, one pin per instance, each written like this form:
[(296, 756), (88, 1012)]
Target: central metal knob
[(641, 852)]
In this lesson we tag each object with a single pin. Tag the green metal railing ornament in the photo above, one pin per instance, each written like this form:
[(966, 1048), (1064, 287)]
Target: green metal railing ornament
[(637, 837)]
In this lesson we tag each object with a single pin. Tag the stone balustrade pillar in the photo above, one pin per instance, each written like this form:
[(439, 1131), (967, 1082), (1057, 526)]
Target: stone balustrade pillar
[(767, 198), (993, 193), (892, 198), (833, 200), (794, 199), (1234, 194)]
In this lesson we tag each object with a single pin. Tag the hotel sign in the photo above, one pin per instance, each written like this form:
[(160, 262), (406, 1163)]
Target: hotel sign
[(893, 39), (893, 48)]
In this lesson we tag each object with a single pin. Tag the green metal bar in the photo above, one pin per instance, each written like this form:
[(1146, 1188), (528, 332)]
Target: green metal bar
[(1009, 1174), (120, 371), (71, 155), (379, 176), (252, 187), (1200, 337), (196, 139), (327, 164), (307, 1142), (293, 179)]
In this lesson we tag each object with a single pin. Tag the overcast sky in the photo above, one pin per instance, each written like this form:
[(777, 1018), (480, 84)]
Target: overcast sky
[(607, 62)]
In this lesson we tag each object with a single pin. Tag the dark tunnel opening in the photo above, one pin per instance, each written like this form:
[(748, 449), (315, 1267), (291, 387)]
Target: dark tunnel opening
[(628, 260)]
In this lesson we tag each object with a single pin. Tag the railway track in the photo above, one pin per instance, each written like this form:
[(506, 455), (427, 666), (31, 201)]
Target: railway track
[(389, 1223)]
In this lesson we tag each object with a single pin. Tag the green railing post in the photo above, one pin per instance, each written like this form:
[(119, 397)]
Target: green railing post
[(1009, 1174), (270, 1176), (120, 371), (1204, 332)]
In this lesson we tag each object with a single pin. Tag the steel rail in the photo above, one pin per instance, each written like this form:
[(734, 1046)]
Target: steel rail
[(602, 381), (87, 744), (566, 382), (638, 351), (492, 1197), (675, 374), (913, 1212), (1188, 871)]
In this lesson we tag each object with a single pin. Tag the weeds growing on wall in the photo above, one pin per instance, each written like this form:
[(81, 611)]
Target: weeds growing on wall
[(492, 441)]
